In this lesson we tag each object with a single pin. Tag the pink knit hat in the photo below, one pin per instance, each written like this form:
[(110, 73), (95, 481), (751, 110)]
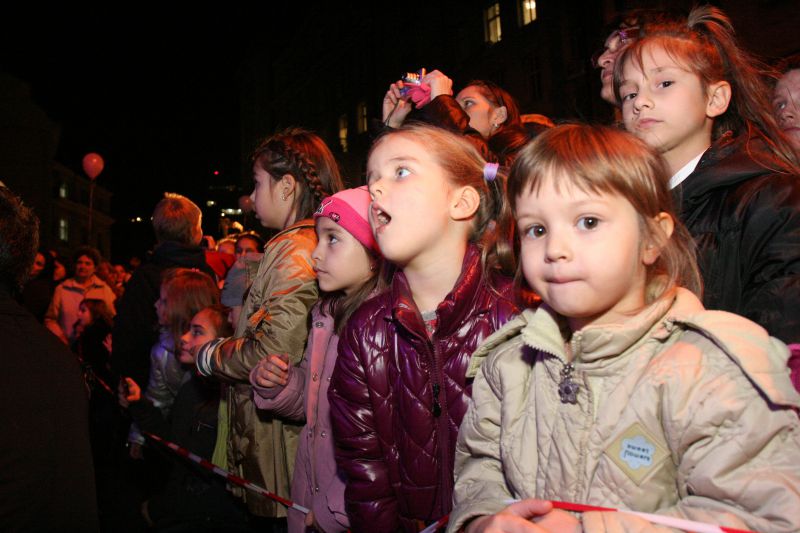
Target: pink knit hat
[(350, 209)]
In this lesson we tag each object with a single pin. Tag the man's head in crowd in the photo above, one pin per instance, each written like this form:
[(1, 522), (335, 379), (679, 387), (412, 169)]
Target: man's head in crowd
[(19, 238), (177, 219)]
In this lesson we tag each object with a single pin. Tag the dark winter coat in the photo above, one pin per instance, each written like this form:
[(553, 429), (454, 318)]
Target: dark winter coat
[(192, 496), (745, 220), (397, 397), (47, 481), (135, 326)]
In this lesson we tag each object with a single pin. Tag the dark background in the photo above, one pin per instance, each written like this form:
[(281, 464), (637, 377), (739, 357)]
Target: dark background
[(168, 94)]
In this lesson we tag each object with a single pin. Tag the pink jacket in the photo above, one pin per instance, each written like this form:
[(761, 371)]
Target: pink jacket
[(316, 484)]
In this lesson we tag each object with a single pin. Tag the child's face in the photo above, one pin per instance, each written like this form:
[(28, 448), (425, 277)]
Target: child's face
[(245, 246), (582, 253), (340, 261), (161, 307), (270, 208), (84, 315), (666, 106), (410, 199), (201, 330), (786, 102)]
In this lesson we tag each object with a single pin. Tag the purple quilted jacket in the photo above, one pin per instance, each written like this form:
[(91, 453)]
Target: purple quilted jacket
[(397, 397)]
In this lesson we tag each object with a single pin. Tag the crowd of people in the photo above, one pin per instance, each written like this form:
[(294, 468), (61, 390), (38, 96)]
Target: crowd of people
[(512, 326)]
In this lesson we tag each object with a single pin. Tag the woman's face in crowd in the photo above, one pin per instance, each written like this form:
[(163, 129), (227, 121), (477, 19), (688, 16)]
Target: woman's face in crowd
[(484, 117), (786, 101)]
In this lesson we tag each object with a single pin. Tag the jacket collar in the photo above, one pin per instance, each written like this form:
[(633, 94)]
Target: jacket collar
[(453, 310), (728, 161), (545, 330), (305, 223)]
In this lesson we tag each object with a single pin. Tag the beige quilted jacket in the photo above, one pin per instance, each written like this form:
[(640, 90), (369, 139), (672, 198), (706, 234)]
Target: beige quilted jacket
[(680, 411)]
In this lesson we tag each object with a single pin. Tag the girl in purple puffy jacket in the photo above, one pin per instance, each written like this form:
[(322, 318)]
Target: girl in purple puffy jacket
[(347, 262), (399, 389)]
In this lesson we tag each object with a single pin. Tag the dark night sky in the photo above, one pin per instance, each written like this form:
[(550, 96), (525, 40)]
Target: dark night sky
[(151, 88)]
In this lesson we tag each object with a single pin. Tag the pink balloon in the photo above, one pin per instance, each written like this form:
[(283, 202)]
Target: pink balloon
[(93, 165)]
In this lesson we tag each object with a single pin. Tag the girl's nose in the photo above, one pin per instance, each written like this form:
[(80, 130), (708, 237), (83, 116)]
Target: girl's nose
[(642, 101), (557, 248)]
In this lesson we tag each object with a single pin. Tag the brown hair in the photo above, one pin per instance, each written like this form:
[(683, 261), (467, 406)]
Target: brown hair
[(218, 314), (175, 219), (511, 135), (305, 156), (706, 46), (99, 311), (599, 159), (188, 291), (464, 166)]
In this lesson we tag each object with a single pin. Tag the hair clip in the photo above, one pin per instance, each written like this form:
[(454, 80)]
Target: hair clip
[(490, 171)]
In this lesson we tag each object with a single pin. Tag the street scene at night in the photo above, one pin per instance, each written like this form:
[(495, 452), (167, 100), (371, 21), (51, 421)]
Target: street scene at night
[(482, 266)]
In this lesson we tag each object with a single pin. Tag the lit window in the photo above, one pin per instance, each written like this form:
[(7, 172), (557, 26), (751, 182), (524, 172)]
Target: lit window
[(63, 229), (62, 190), (491, 19), (361, 113), (343, 132), (527, 11)]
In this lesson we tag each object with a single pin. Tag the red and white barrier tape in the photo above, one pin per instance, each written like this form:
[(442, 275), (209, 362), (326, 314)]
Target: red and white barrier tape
[(233, 478)]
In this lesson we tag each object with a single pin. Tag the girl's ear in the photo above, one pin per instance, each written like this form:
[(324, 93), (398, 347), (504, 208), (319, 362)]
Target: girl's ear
[(666, 225), (465, 202), (719, 97), (499, 115), (287, 185)]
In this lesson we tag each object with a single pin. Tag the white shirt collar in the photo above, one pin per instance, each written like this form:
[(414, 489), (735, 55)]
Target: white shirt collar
[(684, 172)]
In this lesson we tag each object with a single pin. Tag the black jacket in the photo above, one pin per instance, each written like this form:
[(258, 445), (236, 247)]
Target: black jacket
[(192, 498), (136, 324), (745, 220), (47, 481)]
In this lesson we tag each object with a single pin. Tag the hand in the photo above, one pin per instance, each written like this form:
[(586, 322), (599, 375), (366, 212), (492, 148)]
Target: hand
[(439, 83), (312, 522), (107, 343), (517, 518), (273, 371), (128, 392), (396, 107)]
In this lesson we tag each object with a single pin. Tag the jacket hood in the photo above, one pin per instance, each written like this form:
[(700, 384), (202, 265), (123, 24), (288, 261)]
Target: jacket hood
[(174, 253)]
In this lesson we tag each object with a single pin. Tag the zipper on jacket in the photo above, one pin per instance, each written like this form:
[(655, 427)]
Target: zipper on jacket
[(444, 440)]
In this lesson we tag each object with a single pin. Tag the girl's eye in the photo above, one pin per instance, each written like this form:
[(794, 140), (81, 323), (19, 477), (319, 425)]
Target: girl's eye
[(535, 231), (779, 105), (666, 83), (402, 172), (332, 239), (588, 223), (628, 96)]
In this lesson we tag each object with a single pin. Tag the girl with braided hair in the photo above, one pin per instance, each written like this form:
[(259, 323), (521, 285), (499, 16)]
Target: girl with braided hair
[(293, 172)]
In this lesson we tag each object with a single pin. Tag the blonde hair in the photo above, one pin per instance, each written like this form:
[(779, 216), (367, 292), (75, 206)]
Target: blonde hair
[(464, 167), (598, 159)]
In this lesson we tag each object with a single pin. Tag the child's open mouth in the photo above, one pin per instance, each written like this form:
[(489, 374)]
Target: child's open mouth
[(381, 217)]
